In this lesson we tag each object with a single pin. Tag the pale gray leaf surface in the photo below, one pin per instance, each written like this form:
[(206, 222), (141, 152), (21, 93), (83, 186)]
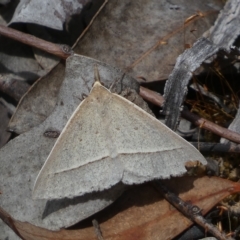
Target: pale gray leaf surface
[(7, 233), (220, 36), (27, 153), (145, 37), (51, 14), (109, 140)]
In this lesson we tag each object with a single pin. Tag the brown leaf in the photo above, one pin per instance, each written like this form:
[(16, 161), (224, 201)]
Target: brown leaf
[(140, 213), (145, 37), (35, 107)]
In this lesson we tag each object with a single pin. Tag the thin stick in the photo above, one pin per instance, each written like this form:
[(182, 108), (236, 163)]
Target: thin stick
[(198, 121), (190, 211), (60, 50)]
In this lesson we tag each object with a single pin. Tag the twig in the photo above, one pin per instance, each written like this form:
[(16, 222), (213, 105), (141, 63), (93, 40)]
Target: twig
[(198, 121), (190, 211), (216, 147), (204, 123), (60, 50), (97, 229)]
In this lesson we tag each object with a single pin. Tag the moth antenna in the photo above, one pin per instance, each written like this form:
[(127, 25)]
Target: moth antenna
[(96, 74)]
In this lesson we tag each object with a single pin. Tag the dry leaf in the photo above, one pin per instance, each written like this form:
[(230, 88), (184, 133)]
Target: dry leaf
[(145, 37), (140, 213), (28, 152), (121, 44), (35, 107), (52, 14), (4, 119)]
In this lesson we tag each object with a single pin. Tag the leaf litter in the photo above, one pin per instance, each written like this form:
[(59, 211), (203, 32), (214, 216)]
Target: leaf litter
[(141, 212), (79, 78), (165, 36), (109, 140)]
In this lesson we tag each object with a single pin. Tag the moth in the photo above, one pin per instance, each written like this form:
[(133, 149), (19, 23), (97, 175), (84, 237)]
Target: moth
[(108, 140)]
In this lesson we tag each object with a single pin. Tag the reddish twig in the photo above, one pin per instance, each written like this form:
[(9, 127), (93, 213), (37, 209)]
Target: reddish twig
[(204, 123), (155, 98), (60, 50)]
